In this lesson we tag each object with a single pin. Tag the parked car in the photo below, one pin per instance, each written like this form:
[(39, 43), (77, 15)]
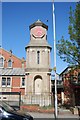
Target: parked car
[(9, 113)]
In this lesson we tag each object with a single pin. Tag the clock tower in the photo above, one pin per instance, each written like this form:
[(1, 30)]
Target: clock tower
[(38, 71)]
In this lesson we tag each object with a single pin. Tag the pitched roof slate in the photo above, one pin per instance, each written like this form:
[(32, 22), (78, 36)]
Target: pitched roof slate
[(12, 71)]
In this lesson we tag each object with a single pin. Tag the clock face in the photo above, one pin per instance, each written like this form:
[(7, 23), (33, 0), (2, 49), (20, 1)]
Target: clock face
[(38, 32)]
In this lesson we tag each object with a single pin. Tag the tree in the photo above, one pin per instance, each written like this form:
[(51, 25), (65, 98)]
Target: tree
[(69, 50)]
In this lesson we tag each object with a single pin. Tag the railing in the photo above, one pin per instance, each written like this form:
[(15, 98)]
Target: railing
[(42, 99)]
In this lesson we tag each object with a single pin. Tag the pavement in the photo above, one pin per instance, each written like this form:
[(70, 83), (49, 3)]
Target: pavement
[(62, 115)]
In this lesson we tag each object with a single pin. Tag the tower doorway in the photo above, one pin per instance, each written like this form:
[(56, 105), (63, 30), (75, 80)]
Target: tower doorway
[(38, 85)]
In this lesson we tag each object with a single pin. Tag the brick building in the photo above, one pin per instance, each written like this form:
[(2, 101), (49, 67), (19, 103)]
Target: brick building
[(71, 82), (12, 74)]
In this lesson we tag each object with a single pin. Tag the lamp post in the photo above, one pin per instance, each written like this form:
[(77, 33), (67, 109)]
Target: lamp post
[(55, 61)]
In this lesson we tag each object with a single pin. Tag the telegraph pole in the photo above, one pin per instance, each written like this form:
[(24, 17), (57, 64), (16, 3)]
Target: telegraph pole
[(56, 113)]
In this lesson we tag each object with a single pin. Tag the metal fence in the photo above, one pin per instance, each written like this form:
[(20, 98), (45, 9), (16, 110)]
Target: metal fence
[(15, 99), (44, 99)]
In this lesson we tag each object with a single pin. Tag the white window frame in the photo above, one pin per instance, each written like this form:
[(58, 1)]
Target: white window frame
[(2, 62), (22, 86), (6, 82), (2, 81), (11, 63)]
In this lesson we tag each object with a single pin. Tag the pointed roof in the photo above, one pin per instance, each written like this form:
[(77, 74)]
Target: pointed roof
[(38, 23), (9, 52)]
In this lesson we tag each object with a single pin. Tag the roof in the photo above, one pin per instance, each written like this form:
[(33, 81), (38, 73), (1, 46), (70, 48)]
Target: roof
[(38, 23), (66, 70), (2, 49), (12, 71)]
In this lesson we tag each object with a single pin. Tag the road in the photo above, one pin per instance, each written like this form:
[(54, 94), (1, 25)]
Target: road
[(50, 116)]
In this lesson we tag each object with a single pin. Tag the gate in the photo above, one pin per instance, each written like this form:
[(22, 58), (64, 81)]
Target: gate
[(12, 98)]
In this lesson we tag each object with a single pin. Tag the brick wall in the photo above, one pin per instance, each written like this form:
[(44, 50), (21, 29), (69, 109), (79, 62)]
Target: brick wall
[(16, 85), (69, 87), (16, 62), (16, 81)]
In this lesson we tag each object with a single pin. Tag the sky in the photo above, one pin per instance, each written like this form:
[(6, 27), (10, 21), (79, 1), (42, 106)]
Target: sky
[(18, 16)]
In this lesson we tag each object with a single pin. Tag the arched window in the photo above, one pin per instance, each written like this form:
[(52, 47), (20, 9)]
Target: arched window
[(10, 63), (1, 62), (48, 57), (78, 77), (38, 57)]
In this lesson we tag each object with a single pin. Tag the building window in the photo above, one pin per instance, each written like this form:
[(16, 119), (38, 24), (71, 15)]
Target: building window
[(23, 81), (79, 77), (48, 57), (38, 57), (1, 62), (3, 81), (9, 63), (46, 37), (6, 82)]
